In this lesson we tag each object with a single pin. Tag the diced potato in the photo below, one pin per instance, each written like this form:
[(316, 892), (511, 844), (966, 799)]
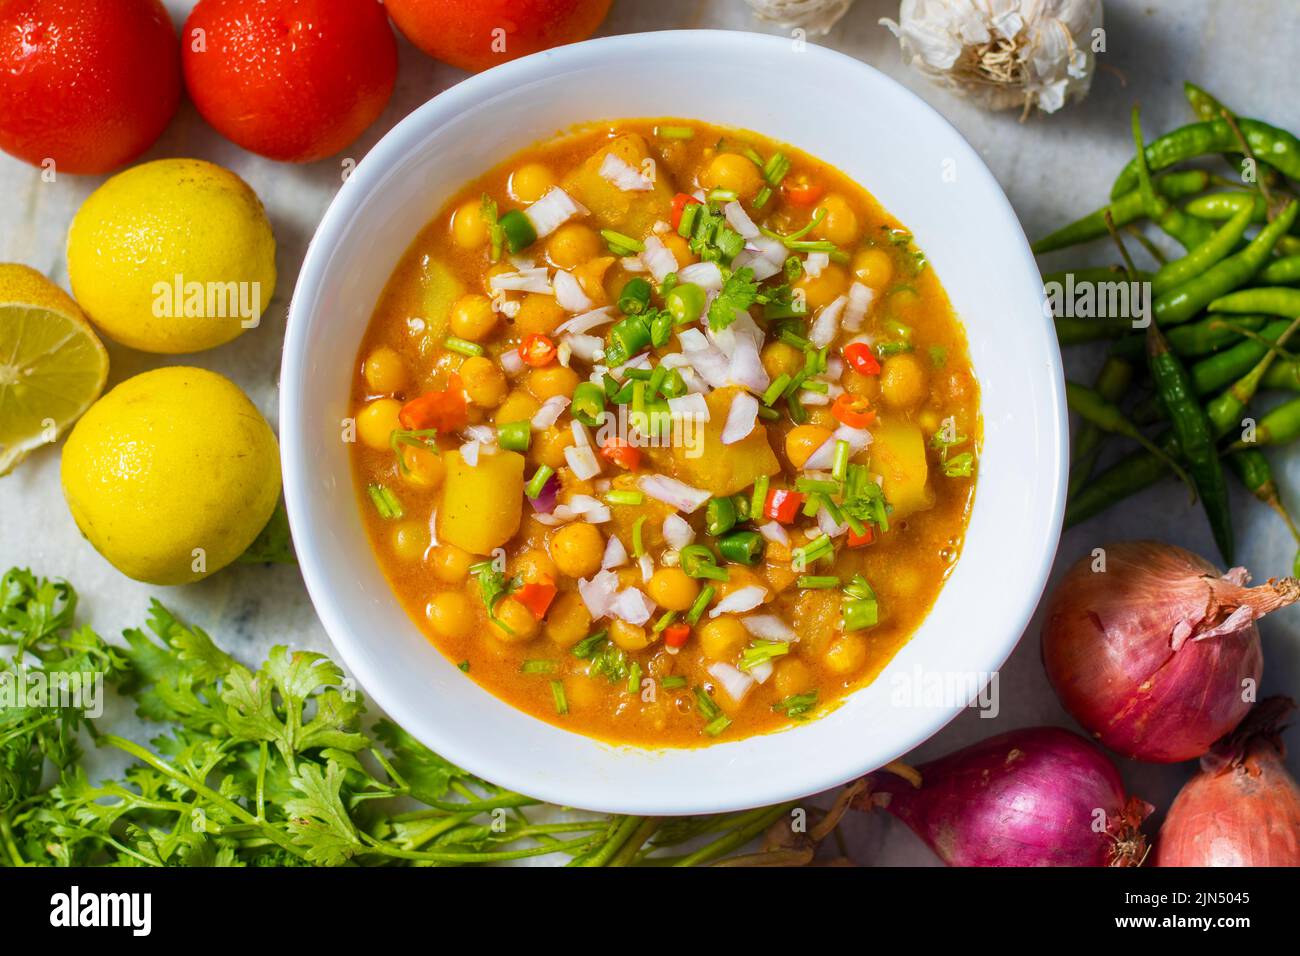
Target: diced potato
[(631, 213), (439, 290), (724, 469), (898, 456), (481, 505)]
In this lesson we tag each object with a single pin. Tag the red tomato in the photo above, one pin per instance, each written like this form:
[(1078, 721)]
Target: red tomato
[(89, 84), (447, 410), (861, 540), (537, 596), (477, 34), (293, 80)]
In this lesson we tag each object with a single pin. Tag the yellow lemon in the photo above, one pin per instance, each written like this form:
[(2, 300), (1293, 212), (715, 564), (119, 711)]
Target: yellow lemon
[(172, 474), (52, 366), (172, 256)]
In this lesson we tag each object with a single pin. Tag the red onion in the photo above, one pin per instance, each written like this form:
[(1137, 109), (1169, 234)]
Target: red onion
[(1243, 808), (545, 501), (1156, 655), (1041, 796)]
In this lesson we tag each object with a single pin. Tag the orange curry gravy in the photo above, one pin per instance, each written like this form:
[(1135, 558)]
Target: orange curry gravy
[(460, 356)]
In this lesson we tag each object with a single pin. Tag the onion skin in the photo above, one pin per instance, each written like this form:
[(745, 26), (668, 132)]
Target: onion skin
[(1154, 657), (1026, 798), (1243, 808)]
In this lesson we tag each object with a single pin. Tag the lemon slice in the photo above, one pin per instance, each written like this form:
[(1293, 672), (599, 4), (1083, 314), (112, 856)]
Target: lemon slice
[(52, 366)]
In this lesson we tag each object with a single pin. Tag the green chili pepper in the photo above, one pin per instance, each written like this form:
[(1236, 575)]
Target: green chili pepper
[(661, 330), (519, 232), (635, 296), (1126, 477), (1203, 257), (588, 405), (742, 547), (1205, 106), (1280, 271), (1273, 301), (626, 337), (1253, 469), (1126, 209), (719, 516), (515, 436), (1196, 339), (698, 561), (685, 303), (1093, 408), (1280, 425), (1277, 147), (1112, 382)]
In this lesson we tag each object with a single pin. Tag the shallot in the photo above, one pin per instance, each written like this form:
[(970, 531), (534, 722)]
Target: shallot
[(1040, 796), (1243, 808), (1154, 651)]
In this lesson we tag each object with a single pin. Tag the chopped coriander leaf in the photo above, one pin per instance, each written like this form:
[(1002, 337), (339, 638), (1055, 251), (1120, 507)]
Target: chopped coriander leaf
[(708, 709), (634, 678), (863, 499), (588, 646), (762, 196), (493, 586), (609, 662), (938, 356), (557, 694), (960, 466), (776, 168), (798, 234), (796, 706), (701, 603), (620, 244), (793, 268), (739, 292), (416, 438), (385, 502), (762, 652), (672, 682), (464, 666), (717, 725), (859, 608), (538, 667)]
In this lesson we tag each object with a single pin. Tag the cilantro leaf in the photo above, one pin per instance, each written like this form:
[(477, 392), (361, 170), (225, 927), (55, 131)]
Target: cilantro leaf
[(739, 292)]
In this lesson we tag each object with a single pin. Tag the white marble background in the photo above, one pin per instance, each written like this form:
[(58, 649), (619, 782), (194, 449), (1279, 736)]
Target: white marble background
[(1053, 168)]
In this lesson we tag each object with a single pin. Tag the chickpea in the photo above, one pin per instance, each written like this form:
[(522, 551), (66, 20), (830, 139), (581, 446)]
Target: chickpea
[(903, 381), (450, 564), (568, 620), (552, 380), (629, 637), (472, 317), (538, 312), (521, 624), (584, 695), (873, 268), (468, 228), (577, 549), (680, 248), (825, 288), (722, 638), (424, 467), (905, 304), (377, 421), (572, 244), (802, 440), (792, 676), (840, 224), (384, 370), (517, 407), (929, 421), (410, 539), (738, 578), (534, 565), (866, 386), (530, 182), (548, 446), (450, 614), (734, 172), (673, 588), (484, 382), (846, 654), (781, 359)]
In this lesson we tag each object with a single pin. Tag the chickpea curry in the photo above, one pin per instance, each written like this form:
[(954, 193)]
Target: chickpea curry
[(666, 433)]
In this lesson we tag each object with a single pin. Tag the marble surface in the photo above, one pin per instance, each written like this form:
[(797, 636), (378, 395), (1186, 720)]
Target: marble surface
[(1053, 168)]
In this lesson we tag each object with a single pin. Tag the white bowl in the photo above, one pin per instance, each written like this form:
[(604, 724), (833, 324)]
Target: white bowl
[(839, 110)]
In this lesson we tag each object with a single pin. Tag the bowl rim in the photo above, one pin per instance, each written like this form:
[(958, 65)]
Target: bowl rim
[(368, 177)]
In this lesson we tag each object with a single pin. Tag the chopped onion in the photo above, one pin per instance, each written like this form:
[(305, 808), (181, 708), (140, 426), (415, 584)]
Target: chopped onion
[(598, 592), (673, 492), (828, 524), (483, 434), (632, 264), (552, 211), (814, 398), (706, 275), (583, 461), (549, 413), (689, 407), (631, 605), (769, 627), (739, 220), (827, 323), (824, 456), (525, 280), (761, 672), (585, 322), (678, 532), (855, 311), (647, 567), (581, 434), (693, 340), (741, 419), (588, 348), (569, 294), (736, 683), (510, 308), (658, 258), (545, 503), (746, 366), (469, 453), (511, 362), (740, 600), (774, 532), (615, 553), (622, 174), (815, 262)]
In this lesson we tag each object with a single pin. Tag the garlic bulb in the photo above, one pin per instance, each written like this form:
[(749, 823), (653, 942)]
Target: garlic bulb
[(815, 16), (1003, 53)]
